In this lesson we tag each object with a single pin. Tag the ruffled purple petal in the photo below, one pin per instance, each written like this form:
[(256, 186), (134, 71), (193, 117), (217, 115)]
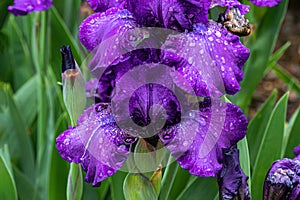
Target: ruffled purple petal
[(143, 65), (197, 141), (101, 26), (269, 3), (23, 7), (282, 180), (217, 54), (103, 5), (230, 3), (96, 143), (231, 179), (174, 14)]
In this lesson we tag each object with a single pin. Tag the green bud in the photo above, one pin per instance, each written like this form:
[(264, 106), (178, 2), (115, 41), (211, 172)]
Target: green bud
[(138, 187), (73, 85)]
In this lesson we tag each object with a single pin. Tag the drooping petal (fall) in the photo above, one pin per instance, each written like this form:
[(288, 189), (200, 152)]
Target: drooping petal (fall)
[(96, 143), (197, 141)]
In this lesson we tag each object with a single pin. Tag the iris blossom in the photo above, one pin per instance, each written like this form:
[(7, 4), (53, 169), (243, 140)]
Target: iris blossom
[(23, 7), (283, 179), (201, 58)]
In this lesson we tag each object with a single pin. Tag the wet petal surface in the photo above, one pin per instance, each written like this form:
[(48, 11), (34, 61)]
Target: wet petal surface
[(96, 143), (198, 140), (23, 7)]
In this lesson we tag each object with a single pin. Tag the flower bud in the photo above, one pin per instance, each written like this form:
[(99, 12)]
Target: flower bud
[(156, 179), (138, 187), (74, 93), (282, 180)]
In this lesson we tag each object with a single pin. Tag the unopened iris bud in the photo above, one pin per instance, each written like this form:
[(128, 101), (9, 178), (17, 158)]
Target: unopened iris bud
[(283, 181), (156, 179), (231, 179), (74, 93)]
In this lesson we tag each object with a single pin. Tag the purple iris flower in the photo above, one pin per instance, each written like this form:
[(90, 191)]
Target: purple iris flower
[(23, 7), (144, 79), (283, 179)]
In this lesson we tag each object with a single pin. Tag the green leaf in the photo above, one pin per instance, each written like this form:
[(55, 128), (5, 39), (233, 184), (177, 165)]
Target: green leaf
[(293, 135), (74, 187), (257, 126), (200, 188), (180, 182), (277, 55), (13, 131), (3, 11), (117, 181), (137, 187), (168, 178), (245, 159), (26, 100), (287, 78), (261, 45), (26, 189), (270, 148), (7, 184)]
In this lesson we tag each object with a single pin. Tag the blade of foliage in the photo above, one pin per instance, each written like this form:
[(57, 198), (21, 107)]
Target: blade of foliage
[(13, 131), (181, 180), (261, 45), (19, 69), (26, 94), (245, 159), (168, 178), (200, 188), (26, 189), (59, 168), (270, 148), (3, 11), (287, 78), (117, 181), (277, 55), (293, 134), (257, 126), (7, 184)]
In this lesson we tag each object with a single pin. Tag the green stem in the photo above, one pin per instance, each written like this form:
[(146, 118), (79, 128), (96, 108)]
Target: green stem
[(168, 178)]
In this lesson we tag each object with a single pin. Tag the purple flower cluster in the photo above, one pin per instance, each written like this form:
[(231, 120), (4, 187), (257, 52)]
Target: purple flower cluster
[(199, 58), (23, 7)]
